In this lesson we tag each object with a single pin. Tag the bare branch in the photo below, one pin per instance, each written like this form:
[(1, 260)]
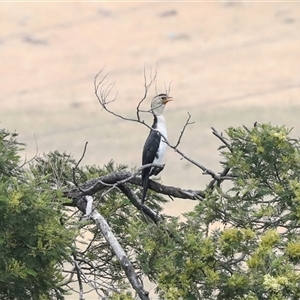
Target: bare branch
[(102, 90), (183, 129), (82, 275), (77, 268), (168, 89), (126, 265), (78, 163), (221, 137), (146, 89), (82, 156), (115, 179), (115, 184), (218, 180), (138, 204)]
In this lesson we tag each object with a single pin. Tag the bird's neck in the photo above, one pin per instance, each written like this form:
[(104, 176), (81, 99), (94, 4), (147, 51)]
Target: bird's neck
[(158, 121), (159, 124)]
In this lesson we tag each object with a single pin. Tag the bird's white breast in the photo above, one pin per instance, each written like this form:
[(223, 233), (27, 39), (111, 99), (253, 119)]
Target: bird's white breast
[(161, 127)]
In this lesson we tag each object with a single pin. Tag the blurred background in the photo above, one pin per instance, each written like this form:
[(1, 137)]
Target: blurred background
[(228, 63)]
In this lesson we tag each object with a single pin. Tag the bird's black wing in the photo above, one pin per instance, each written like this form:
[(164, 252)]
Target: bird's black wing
[(151, 147), (149, 152)]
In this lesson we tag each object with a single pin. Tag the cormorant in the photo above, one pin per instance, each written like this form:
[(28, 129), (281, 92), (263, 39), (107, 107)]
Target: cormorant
[(155, 146)]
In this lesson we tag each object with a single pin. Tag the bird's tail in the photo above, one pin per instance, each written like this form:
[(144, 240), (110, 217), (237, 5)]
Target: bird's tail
[(145, 188)]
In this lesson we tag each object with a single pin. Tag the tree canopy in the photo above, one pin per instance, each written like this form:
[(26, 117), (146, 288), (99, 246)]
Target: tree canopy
[(68, 228), (33, 243), (241, 241)]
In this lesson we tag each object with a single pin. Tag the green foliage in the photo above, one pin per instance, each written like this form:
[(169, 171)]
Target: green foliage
[(9, 158), (122, 296), (92, 250), (122, 217), (33, 243), (242, 240)]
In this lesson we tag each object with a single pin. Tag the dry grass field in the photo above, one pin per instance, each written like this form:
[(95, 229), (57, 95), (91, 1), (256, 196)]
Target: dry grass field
[(229, 64)]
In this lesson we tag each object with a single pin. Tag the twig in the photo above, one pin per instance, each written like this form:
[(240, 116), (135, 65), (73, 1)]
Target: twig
[(92, 283), (102, 92), (220, 137), (34, 157), (146, 89), (246, 129), (220, 178), (78, 277), (183, 129), (169, 88), (77, 164), (226, 170)]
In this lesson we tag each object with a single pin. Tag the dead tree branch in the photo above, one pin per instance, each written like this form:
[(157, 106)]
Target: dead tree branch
[(147, 86), (95, 185), (77, 164), (77, 268), (223, 175), (183, 129), (134, 199), (221, 138), (126, 265), (103, 89)]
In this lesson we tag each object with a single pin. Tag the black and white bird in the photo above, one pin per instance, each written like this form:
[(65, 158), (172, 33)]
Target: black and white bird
[(155, 146)]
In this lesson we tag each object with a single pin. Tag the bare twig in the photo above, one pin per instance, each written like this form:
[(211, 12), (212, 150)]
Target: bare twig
[(35, 155), (102, 90), (183, 129), (77, 268), (168, 89), (221, 138), (146, 89), (246, 128), (218, 180), (85, 276), (76, 166)]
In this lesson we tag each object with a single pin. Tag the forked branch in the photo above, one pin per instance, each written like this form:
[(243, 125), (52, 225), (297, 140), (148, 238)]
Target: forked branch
[(103, 90), (147, 86)]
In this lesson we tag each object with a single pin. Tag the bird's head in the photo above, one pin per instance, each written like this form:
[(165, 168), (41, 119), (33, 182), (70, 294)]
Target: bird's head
[(158, 104)]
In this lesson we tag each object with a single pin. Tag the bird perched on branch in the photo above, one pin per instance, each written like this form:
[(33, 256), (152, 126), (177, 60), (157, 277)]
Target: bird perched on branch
[(155, 146)]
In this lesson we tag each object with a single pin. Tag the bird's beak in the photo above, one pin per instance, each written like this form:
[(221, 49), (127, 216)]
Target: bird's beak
[(168, 99)]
